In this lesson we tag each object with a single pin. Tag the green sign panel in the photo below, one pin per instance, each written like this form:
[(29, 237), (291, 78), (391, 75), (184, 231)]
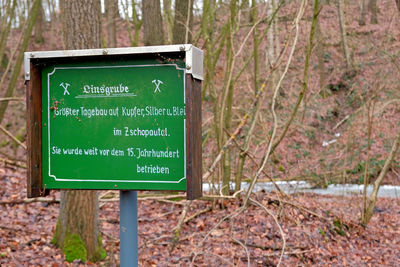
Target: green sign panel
[(114, 126)]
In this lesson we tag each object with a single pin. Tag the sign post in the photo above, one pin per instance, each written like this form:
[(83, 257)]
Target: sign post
[(121, 118), (128, 228)]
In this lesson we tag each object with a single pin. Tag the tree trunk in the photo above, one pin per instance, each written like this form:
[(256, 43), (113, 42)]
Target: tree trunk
[(77, 231), (137, 23), (374, 194), (320, 51), (398, 4), (26, 34), (363, 13), (152, 23), (183, 21), (111, 13), (5, 30), (169, 19), (243, 155), (227, 98), (342, 25), (373, 10), (39, 39)]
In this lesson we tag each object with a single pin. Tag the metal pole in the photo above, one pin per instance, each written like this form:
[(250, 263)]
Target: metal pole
[(128, 229)]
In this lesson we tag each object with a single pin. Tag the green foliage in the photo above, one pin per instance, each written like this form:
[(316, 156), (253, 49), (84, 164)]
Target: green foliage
[(322, 232), (281, 168), (375, 166), (339, 227), (74, 248), (56, 236), (336, 87), (101, 252), (310, 134), (354, 100), (327, 57)]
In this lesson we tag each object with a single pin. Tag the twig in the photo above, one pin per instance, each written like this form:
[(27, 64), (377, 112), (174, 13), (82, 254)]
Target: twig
[(177, 229), (143, 197), (251, 157), (210, 253), (291, 252), (146, 242), (305, 75), (304, 209), (12, 99), (20, 229), (197, 214), (272, 248), (241, 244), (266, 156), (12, 162), (234, 135), (341, 122), (12, 137), (213, 197), (277, 223), (30, 200)]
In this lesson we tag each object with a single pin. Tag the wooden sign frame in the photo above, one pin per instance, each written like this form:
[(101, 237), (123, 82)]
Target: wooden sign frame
[(36, 62)]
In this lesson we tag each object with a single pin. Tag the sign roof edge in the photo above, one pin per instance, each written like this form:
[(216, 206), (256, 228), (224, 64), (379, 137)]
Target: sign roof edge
[(193, 55)]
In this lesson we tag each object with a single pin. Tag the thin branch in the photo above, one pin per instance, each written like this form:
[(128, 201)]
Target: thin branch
[(30, 200), (12, 99), (177, 229), (13, 163), (12, 137), (277, 223)]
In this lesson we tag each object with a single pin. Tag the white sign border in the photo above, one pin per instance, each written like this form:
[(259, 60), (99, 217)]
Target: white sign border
[(114, 181)]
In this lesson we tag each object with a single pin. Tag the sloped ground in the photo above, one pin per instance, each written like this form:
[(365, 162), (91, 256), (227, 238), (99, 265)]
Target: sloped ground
[(333, 238), (319, 231)]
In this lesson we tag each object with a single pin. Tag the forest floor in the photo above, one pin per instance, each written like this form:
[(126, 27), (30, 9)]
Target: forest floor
[(318, 230)]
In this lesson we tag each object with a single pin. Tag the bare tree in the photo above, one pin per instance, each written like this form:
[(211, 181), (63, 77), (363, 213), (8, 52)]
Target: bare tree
[(21, 48), (182, 32), (39, 39), (369, 209), (342, 24), (6, 22), (78, 225), (373, 9), (169, 19), (152, 23), (111, 8)]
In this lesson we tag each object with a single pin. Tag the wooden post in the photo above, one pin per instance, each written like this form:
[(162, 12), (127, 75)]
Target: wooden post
[(193, 140)]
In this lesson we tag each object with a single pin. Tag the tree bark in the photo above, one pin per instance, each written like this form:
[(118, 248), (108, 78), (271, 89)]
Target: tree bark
[(320, 51), (398, 4), (137, 23), (372, 198), (183, 21), (111, 13), (152, 23), (373, 10), (5, 30), (77, 231), (169, 19), (27, 31), (342, 25), (363, 13), (39, 39)]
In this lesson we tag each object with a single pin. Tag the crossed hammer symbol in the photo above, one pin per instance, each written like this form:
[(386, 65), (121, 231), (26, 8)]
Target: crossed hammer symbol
[(157, 83), (65, 86)]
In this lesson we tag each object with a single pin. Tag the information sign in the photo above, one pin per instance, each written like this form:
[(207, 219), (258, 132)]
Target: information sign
[(110, 122)]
